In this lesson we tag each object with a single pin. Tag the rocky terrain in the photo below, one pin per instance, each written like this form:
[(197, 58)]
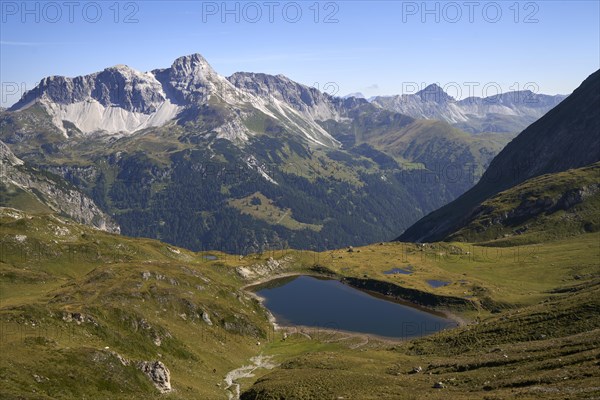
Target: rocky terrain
[(121, 100), (31, 189)]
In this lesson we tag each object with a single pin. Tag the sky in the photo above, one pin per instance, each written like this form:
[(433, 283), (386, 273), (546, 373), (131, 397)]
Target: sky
[(373, 47)]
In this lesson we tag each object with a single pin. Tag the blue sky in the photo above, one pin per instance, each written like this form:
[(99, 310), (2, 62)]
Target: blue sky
[(374, 47)]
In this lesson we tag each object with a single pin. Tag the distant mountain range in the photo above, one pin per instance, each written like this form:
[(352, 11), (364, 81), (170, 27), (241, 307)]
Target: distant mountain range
[(246, 162), (506, 112), (567, 137)]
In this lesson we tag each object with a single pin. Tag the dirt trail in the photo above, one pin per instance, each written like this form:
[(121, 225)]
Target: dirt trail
[(246, 371)]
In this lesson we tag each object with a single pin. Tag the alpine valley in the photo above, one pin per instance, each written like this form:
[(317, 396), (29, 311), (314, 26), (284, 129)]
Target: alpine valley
[(143, 214)]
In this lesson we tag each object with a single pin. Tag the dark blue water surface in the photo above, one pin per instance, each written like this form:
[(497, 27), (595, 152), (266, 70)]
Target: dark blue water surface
[(436, 284), (326, 303)]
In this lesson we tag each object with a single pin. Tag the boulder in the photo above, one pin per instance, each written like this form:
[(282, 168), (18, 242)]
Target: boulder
[(158, 373), (206, 318)]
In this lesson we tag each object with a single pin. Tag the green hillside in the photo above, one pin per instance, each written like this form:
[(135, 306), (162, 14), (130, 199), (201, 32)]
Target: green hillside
[(80, 309), (547, 207)]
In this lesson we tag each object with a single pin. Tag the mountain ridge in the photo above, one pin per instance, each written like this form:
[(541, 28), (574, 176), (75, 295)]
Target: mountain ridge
[(120, 99), (567, 137), (504, 112)]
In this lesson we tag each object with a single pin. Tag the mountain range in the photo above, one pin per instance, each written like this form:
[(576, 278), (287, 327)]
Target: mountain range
[(251, 161), (503, 112), (121, 100)]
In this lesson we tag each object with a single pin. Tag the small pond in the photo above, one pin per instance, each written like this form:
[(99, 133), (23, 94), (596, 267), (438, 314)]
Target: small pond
[(330, 304), (436, 284)]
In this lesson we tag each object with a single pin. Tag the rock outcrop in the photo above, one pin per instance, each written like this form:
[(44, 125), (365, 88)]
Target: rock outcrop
[(158, 373), (271, 267)]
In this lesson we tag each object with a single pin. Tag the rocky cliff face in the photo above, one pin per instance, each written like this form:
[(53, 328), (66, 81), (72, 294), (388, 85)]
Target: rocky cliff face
[(118, 99), (191, 79), (118, 86), (307, 100), (51, 191)]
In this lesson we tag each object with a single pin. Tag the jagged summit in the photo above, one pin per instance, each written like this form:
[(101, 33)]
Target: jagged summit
[(191, 58), (434, 93), (122, 67), (118, 86), (192, 64)]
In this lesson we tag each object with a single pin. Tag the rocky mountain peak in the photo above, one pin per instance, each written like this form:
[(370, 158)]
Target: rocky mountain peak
[(192, 64), (434, 93), (301, 97), (508, 112), (357, 95), (191, 79), (120, 67)]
